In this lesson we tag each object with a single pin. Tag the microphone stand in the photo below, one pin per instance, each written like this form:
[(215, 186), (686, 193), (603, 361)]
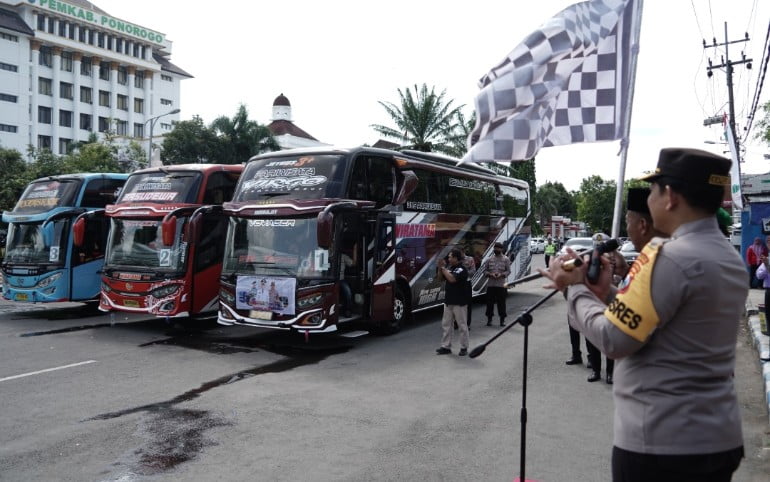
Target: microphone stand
[(524, 319)]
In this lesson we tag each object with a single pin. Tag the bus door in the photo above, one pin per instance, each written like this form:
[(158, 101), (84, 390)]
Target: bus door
[(88, 258), (208, 250), (383, 264), (355, 265)]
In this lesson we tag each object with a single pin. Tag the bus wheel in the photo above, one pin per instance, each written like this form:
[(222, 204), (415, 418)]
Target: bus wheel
[(400, 315)]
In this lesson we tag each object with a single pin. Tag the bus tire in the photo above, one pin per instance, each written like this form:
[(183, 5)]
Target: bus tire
[(400, 314)]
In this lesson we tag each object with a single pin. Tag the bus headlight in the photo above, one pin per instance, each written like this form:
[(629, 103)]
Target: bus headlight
[(164, 291), (308, 301), (227, 297), (105, 287), (47, 281)]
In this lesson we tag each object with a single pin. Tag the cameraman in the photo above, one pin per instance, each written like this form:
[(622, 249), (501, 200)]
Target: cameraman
[(672, 329), (456, 299)]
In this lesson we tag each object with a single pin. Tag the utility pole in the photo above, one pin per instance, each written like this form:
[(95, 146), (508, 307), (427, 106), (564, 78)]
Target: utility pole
[(728, 65)]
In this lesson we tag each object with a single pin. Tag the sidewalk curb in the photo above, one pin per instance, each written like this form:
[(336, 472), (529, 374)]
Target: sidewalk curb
[(762, 344)]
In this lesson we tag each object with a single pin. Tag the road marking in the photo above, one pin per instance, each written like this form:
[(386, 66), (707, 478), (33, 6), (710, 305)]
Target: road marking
[(47, 370)]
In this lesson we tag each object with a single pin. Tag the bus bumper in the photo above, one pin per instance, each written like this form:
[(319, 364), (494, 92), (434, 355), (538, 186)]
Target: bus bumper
[(228, 317), (106, 304)]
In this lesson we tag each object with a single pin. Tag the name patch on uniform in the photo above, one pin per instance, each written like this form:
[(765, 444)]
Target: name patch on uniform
[(632, 310)]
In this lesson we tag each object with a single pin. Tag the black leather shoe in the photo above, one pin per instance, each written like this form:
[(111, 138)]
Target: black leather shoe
[(609, 379), (574, 361), (489, 322), (463, 352), (594, 377), (502, 323), (443, 351)]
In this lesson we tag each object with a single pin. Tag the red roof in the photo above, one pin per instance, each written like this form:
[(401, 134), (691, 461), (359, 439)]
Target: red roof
[(281, 127)]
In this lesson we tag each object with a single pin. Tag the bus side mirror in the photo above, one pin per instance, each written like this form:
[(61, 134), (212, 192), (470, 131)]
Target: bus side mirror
[(324, 229), (79, 232), (406, 187), (168, 231)]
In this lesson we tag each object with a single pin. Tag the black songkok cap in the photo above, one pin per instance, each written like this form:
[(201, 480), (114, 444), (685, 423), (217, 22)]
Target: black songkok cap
[(637, 200)]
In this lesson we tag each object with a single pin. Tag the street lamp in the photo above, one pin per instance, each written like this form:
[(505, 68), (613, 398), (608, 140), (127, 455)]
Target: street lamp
[(152, 121)]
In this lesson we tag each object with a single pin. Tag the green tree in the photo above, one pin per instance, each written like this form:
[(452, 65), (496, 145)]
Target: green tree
[(240, 138), (562, 201), (595, 203), (190, 142), (93, 157), (457, 142), (424, 120), (16, 176), (763, 126), (132, 157), (46, 163)]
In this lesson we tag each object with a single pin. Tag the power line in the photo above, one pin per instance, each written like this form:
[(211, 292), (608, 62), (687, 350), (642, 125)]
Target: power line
[(760, 82), (692, 2)]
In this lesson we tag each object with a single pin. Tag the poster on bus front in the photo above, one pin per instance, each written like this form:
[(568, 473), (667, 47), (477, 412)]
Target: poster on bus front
[(265, 293)]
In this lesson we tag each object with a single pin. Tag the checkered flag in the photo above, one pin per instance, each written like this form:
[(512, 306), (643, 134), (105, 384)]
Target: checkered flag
[(567, 82)]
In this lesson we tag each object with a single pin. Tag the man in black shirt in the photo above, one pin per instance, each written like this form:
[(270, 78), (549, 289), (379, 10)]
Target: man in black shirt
[(456, 299)]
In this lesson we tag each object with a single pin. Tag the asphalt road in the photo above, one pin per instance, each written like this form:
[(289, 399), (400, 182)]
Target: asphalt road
[(132, 399)]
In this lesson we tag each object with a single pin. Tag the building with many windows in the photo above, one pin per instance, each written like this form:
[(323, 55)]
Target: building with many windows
[(68, 69)]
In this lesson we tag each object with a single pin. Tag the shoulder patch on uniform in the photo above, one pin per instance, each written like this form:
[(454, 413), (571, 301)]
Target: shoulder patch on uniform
[(632, 310)]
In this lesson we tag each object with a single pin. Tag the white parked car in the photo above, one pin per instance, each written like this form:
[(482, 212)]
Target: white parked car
[(629, 252), (576, 244), (536, 245)]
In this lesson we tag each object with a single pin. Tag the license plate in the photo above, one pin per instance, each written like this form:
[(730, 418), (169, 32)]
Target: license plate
[(262, 315), (131, 303), (22, 297)]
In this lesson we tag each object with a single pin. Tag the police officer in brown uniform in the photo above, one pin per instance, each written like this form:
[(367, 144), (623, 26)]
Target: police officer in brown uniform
[(672, 327)]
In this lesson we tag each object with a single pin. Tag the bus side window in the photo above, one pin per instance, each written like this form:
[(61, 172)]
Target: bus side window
[(92, 197), (381, 180), (372, 179), (219, 188), (211, 246), (101, 192), (92, 248)]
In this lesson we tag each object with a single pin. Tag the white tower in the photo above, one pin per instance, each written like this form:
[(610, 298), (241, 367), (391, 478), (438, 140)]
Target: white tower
[(281, 108)]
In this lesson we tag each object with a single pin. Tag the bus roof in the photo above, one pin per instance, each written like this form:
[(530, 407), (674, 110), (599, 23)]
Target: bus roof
[(192, 167), (431, 158), (83, 176)]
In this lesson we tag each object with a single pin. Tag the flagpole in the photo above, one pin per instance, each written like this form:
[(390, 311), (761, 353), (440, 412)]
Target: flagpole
[(624, 141)]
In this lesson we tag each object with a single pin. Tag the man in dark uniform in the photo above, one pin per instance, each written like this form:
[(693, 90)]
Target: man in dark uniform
[(640, 231), (672, 327), (456, 299)]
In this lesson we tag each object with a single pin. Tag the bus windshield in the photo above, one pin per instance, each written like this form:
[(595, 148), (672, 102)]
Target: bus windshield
[(31, 243), (137, 243), (286, 247), (160, 187), (42, 196), (301, 177)]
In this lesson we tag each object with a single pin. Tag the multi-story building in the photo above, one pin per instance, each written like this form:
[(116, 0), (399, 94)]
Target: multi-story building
[(68, 69)]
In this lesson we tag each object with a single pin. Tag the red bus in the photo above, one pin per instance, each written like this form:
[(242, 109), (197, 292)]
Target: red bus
[(167, 236), (314, 233)]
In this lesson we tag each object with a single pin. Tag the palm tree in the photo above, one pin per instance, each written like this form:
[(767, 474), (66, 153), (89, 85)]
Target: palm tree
[(241, 138), (458, 141), (424, 120)]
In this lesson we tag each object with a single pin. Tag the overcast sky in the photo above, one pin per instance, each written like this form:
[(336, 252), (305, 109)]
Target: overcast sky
[(335, 60)]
